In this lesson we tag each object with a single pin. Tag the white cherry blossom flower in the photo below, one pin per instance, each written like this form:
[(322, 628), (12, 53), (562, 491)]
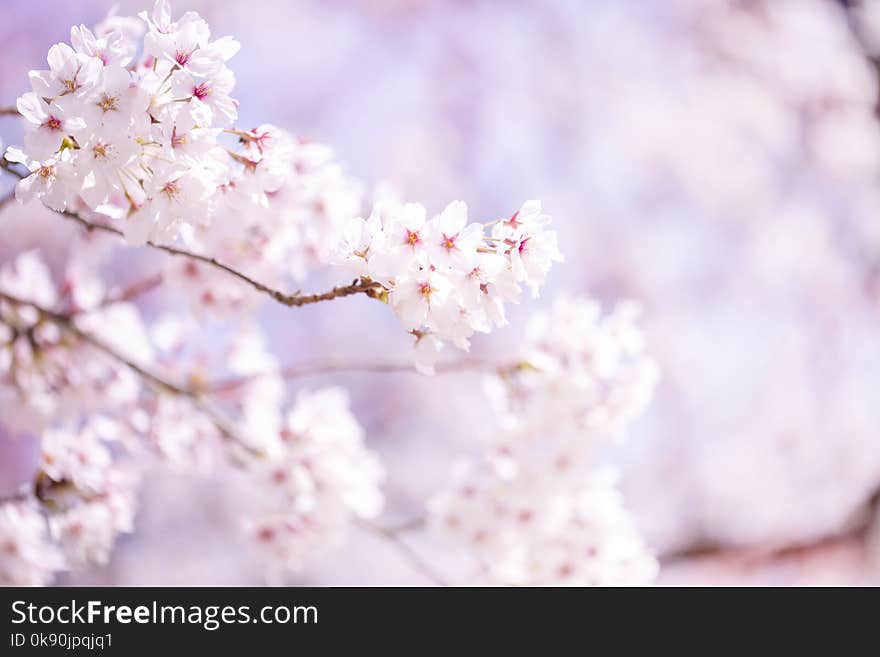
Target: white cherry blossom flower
[(209, 94), (52, 181), (103, 165), (451, 241), (172, 196), (422, 298), (27, 556), (50, 124), (112, 49), (70, 72)]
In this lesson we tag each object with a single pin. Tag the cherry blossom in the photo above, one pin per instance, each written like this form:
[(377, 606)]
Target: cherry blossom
[(93, 495), (319, 475), (70, 71), (27, 556), (522, 534), (132, 132), (51, 125), (445, 276), (537, 504), (101, 131), (51, 180), (45, 374)]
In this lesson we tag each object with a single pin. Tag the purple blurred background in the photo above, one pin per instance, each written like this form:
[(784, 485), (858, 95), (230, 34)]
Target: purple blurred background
[(717, 161)]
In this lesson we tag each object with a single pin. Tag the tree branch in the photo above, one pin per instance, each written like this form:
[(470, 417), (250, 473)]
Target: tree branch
[(155, 381), (859, 530), (370, 288), (329, 367), (391, 536), (8, 111), (126, 294)]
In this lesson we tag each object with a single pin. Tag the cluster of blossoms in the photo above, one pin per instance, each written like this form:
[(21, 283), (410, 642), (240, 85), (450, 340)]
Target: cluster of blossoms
[(536, 506), (126, 138), (317, 477), (586, 370), (44, 374), (447, 278), (27, 556), (90, 494), (305, 473), (278, 213), (125, 129), (65, 392), (83, 497)]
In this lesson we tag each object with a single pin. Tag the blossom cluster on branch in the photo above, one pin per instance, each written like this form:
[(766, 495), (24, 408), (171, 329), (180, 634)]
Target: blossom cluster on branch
[(536, 505), (446, 278), (319, 476), (131, 132)]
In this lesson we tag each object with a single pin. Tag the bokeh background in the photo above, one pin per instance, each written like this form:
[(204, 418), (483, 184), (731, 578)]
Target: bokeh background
[(717, 161)]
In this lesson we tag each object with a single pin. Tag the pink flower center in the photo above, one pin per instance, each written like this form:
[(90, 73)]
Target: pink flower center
[(202, 91), (52, 123), (171, 189), (448, 242), (412, 237), (266, 535)]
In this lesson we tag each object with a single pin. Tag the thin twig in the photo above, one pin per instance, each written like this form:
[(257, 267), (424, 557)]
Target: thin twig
[(390, 536), (370, 288), (318, 368), (8, 111), (410, 525), (129, 293)]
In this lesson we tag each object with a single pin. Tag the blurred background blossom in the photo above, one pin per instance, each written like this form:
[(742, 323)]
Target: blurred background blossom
[(717, 161)]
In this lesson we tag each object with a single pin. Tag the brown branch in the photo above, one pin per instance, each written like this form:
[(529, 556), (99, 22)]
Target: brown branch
[(8, 111), (865, 517), (363, 286)]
